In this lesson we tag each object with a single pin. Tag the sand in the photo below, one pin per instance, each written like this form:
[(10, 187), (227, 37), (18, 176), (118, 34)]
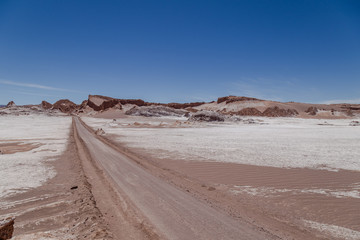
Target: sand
[(290, 178), (312, 188), (39, 170), (29, 144)]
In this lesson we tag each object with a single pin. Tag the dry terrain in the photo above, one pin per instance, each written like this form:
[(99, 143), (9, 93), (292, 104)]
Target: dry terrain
[(293, 177), (235, 168)]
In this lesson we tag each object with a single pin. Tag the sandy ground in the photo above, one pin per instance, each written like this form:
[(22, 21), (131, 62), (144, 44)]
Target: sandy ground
[(276, 178), (314, 194), (14, 147), (59, 205), (172, 213)]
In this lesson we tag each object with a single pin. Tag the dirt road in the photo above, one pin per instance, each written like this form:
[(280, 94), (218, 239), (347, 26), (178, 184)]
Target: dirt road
[(173, 213)]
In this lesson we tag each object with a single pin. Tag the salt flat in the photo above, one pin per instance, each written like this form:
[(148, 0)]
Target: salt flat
[(278, 142), (21, 171), (303, 171)]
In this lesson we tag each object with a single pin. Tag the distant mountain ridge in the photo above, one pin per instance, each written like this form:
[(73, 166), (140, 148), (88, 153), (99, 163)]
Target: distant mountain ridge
[(227, 106), (2, 106)]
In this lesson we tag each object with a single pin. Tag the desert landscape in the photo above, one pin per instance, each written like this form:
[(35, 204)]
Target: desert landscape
[(234, 168), (180, 120)]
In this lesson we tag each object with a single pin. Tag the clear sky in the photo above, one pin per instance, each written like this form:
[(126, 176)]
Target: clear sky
[(180, 50)]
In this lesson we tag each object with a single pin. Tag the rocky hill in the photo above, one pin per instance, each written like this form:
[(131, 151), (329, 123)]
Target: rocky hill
[(237, 106), (65, 106)]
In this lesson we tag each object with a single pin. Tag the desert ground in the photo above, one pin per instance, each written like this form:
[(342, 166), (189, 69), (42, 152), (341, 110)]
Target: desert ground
[(115, 169)]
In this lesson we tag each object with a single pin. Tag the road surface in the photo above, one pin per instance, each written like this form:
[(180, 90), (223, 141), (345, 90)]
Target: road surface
[(174, 213)]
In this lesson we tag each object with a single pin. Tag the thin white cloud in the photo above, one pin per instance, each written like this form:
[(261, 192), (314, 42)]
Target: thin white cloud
[(32, 85), (352, 101), (34, 94)]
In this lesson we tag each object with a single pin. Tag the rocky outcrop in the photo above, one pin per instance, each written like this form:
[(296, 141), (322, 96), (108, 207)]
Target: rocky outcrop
[(6, 228), (46, 105), (99, 131), (230, 99), (65, 106), (99, 103), (354, 123), (249, 112), (96, 102), (156, 111), (110, 104), (279, 112), (11, 104), (83, 104), (207, 116), (137, 102), (184, 105), (193, 110), (312, 110), (353, 107)]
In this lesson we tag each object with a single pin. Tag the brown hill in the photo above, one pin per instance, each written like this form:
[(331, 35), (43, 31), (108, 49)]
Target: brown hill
[(98, 102), (46, 105), (184, 105), (279, 112), (11, 104), (233, 105), (249, 112), (230, 99), (65, 106)]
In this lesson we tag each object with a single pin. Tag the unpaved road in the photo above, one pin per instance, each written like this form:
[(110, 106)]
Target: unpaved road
[(173, 213)]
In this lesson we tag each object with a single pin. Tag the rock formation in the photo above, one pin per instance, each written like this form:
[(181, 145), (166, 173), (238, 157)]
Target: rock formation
[(240, 106), (156, 111), (6, 228), (279, 112), (207, 116), (83, 104), (230, 99), (99, 131), (137, 102), (98, 102), (312, 110), (184, 105), (11, 104), (65, 106), (46, 105), (354, 123), (249, 112)]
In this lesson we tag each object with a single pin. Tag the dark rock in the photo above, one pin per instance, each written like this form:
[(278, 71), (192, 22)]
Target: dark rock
[(156, 111), (184, 105), (101, 103), (249, 112), (230, 99), (83, 104), (279, 112), (354, 123), (6, 228), (312, 111), (46, 105), (99, 131), (65, 106), (207, 116), (11, 104)]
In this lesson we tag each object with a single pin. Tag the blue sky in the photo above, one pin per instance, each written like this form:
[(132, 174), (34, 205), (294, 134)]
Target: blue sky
[(180, 51)]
